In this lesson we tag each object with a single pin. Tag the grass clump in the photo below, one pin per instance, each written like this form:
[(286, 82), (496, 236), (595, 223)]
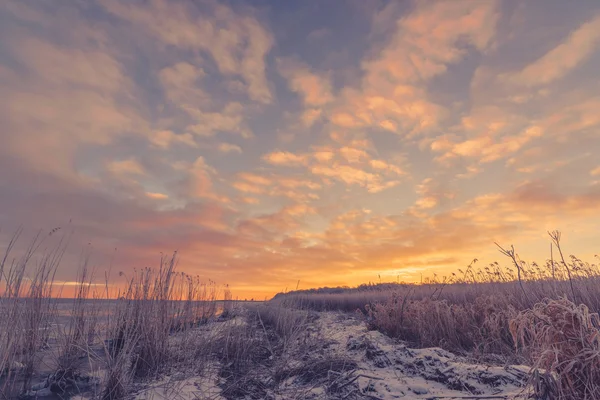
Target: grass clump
[(562, 339), (26, 312), (156, 304)]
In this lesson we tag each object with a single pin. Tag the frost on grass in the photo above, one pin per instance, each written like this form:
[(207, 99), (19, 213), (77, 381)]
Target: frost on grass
[(562, 340)]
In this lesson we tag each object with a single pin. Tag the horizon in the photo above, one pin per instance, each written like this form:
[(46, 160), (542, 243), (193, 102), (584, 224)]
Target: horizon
[(271, 143)]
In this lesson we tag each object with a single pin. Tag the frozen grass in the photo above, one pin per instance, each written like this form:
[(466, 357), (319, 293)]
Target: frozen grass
[(156, 304), (267, 346), (132, 343), (545, 315), (26, 311), (563, 340)]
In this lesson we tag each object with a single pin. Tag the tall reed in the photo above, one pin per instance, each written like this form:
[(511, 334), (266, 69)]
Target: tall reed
[(153, 306)]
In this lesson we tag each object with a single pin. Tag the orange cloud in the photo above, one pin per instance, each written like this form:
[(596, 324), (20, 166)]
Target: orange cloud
[(486, 149), (198, 182), (238, 44), (382, 165), (284, 158), (310, 116), (62, 97), (323, 155), (248, 187), (294, 188), (255, 179), (228, 119), (353, 155), (314, 89), (562, 59), (157, 196), (165, 139), (422, 46), (229, 148)]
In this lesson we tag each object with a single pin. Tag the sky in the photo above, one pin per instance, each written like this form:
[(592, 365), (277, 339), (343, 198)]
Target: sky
[(277, 145)]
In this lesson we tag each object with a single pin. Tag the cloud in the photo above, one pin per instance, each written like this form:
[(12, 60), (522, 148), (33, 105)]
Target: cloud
[(427, 40), (318, 34), (562, 59), (349, 163), (255, 179), (284, 158), (182, 84), (373, 182), (129, 167), (487, 149), (545, 196), (157, 196), (237, 43), (314, 89), (250, 200), (382, 165), (294, 188), (426, 202), (353, 155), (595, 171), (323, 155), (310, 116), (577, 114), (433, 193), (290, 182), (198, 182), (298, 210), (164, 139), (89, 69), (345, 173), (63, 96), (229, 148), (247, 187), (421, 46), (230, 120)]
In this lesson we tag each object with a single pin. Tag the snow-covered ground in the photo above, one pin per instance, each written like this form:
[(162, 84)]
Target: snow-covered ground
[(381, 369), (392, 371)]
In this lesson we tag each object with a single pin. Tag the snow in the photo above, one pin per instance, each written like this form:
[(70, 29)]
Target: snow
[(385, 369), (390, 370)]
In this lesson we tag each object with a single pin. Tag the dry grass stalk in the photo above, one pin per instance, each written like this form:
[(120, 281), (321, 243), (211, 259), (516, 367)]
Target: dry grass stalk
[(74, 341), (26, 309)]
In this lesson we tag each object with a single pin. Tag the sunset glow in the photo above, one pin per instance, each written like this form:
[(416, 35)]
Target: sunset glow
[(277, 144)]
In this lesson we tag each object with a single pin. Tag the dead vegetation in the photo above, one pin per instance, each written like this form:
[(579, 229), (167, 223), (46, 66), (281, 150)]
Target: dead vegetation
[(562, 340), (132, 341), (268, 351), (480, 328), (545, 316), (26, 311)]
